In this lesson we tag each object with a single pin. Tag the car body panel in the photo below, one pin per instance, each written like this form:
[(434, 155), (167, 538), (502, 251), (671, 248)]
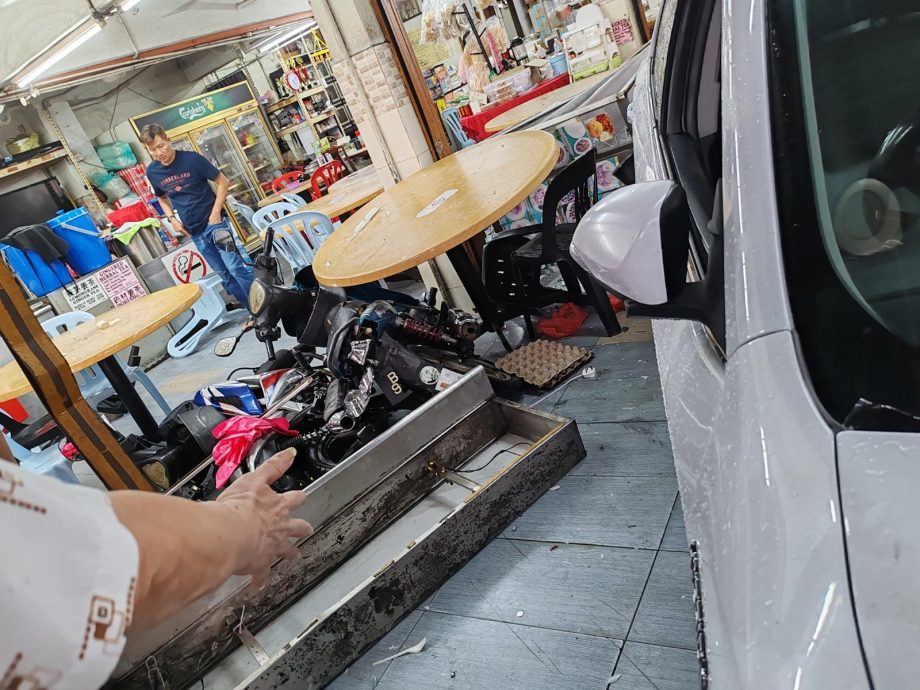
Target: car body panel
[(755, 301), (755, 458), (879, 476)]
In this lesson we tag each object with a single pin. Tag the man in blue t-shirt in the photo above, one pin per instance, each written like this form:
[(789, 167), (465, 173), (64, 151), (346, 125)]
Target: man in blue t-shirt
[(181, 181)]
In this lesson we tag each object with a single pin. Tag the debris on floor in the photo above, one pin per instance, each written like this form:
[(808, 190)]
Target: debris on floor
[(543, 363), (519, 614), (554, 488), (563, 323), (411, 650)]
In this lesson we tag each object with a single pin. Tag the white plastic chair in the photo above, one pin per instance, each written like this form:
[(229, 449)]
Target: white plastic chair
[(264, 216), (295, 199), (242, 210), (94, 386), (208, 314), (299, 236), (48, 461)]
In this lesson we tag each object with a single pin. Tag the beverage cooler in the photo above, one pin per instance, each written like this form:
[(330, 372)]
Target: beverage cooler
[(229, 129)]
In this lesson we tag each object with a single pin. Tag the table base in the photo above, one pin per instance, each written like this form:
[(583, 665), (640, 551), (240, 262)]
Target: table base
[(112, 370), (472, 282)]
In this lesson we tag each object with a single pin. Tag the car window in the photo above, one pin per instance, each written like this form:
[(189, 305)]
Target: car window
[(850, 169), (663, 28)]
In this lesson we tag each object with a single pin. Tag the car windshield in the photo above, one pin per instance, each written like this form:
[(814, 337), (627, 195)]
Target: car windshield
[(847, 138)]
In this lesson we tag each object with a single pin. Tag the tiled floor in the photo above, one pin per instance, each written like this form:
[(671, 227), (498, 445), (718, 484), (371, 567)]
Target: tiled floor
[(589, 589)]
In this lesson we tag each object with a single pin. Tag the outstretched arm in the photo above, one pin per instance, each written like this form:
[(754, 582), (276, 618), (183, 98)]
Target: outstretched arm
[(188, 549)]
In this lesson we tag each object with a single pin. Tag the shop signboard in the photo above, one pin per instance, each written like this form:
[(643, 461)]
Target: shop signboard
[(116, 283), (198, 108)]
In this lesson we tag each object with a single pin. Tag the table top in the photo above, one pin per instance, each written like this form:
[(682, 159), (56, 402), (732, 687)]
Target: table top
[(540, 104), (108, 334), (347, 194), (304, 186), (436, 209), (358, 177), (475, 124)]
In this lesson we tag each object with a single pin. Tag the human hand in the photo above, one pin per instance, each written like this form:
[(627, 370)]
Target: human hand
[(178, 226), (215, 218), (262, 527)]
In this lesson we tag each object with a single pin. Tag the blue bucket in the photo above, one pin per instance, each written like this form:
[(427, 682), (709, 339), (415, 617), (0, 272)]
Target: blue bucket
[(558, 64), (39, 277), (87, 249)]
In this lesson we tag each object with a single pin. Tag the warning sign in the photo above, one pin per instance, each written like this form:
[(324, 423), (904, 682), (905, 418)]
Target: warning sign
[(186, 265)]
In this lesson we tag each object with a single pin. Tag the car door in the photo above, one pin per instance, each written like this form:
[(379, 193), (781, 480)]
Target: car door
[(754, 455)]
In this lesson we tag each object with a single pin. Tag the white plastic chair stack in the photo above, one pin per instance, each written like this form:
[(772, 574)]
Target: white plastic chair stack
[(264, 216), (298, 236), (208, 314)]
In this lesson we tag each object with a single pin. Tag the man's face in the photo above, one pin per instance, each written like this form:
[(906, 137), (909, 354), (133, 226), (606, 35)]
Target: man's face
[(161, 150)]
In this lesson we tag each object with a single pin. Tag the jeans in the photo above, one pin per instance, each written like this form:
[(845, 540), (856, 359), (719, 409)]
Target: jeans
[(233, 271)]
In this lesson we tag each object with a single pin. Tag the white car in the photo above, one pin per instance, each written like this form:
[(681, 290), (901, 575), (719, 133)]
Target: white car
[(777, 154)]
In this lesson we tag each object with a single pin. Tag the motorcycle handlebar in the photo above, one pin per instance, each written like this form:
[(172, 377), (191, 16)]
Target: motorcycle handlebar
[(269, 241)]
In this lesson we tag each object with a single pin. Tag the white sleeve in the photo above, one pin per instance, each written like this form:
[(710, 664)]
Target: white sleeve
[(67, 579)]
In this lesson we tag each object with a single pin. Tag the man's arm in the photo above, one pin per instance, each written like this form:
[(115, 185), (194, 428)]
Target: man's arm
[(188, 549), (223, 187), (171, 215)]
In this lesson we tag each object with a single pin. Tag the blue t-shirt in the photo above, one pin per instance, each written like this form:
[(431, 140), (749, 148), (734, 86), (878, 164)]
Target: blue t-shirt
[(185, 183)]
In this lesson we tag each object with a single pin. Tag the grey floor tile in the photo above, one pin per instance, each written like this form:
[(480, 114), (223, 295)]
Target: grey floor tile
[(470, 653), (609, 399), (362, 674), (605, 511), (650, 667), (586, 341), (630, 449), (626, 360), (665, 613), (583, 589), (675, 536)]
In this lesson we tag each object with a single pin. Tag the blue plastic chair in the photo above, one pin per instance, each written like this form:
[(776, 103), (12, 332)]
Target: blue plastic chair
[(279, 209), (94, 386), (299, 236), (48, 461), (451, 118), (208, 314)]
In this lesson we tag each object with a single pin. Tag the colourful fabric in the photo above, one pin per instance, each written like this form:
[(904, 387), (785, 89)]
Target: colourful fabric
[(475, 125), (236, 437)]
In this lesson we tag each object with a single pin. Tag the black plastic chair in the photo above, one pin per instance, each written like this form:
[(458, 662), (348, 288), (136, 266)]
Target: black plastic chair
[(35, 435), (513, 259)]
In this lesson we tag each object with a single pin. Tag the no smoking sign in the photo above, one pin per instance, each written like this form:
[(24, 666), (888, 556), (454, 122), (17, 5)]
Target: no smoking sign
[(186, 265)]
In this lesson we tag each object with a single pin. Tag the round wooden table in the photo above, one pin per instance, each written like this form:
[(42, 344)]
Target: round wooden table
[(435, 211), (99, 340), (347, 194), (543, 103)]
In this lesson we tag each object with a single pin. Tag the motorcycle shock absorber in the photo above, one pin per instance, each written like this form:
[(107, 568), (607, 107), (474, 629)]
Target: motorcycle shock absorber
[(424, 331), (304, 441)]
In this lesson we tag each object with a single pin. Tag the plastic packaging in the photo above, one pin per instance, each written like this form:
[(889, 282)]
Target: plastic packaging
[(110, 184), (116, 156)]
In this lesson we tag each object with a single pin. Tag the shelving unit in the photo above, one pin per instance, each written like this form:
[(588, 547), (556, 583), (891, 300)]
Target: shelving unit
[(310, 58), (33, 163)]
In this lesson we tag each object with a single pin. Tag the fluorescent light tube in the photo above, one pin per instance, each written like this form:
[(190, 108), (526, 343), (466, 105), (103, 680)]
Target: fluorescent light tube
[(56, 56), (284, 39)]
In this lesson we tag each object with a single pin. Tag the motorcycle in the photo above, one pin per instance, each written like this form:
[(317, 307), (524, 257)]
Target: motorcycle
[(381, 353)]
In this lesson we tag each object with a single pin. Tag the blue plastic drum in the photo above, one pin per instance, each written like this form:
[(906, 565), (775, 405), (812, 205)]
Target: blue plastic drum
[(87, 249)]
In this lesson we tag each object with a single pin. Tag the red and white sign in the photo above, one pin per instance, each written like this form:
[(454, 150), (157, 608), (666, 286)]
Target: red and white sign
[(186, 265)]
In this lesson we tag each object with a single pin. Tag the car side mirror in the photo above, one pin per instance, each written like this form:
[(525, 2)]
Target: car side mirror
[(636, 242)]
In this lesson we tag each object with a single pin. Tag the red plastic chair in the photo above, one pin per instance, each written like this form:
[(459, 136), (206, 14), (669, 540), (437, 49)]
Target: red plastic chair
[(328, 173), (281, 184)]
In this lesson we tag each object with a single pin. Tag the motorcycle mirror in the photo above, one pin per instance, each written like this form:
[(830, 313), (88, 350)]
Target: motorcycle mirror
[(225, 346), (224, 241)]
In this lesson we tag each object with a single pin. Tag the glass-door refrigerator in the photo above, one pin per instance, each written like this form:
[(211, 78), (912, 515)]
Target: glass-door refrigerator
[(255, 142)]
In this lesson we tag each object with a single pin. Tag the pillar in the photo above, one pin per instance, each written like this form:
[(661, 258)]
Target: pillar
[(373, 87)]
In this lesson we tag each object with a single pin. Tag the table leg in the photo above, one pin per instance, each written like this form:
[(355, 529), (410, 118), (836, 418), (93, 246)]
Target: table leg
[(129, 396), (472, 281)]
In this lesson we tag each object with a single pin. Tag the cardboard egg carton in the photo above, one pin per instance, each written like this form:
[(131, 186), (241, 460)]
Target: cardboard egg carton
[(543, 363)]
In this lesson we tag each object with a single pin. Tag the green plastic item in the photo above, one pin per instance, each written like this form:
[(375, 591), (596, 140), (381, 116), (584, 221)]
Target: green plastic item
[(125, 236)]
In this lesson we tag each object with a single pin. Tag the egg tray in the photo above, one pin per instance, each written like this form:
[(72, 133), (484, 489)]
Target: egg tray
[(543, 363)]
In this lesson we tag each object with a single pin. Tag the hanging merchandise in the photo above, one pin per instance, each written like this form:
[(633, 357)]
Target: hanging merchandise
[(116, 156)]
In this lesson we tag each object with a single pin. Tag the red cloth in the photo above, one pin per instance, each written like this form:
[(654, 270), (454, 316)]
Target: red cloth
[(237, 436), (564, 322), (475, 125), (136, 212)]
